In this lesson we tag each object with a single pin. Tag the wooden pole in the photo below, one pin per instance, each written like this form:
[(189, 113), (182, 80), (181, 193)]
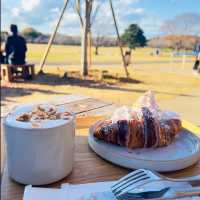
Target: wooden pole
[(85, 32), (52, 37), (119, 40), (90, 48)]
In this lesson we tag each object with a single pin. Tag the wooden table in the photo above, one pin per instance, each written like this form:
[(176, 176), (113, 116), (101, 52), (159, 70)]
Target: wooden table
[(88, 166)]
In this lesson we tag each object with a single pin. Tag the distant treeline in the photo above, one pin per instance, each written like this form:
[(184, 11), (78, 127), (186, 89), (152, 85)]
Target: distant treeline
[(33, 36), (187, 42), (171, 41)]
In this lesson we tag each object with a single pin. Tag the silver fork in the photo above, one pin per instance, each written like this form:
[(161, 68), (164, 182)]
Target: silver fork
[(134, 179), (141, 177)]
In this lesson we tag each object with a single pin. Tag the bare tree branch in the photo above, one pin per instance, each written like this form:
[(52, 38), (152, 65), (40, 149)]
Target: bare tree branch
[(90, 11), (186, 23), (93, 17), (78, 10)]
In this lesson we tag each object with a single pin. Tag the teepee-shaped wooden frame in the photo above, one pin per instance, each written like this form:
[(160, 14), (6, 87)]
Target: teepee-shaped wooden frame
[(85, 64)]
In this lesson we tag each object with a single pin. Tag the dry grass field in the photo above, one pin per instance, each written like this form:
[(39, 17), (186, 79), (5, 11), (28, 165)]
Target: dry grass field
[(168, 79), (71, 54)]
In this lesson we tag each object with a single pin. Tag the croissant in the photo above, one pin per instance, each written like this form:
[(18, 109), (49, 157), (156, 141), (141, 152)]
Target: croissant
[(138, 133)]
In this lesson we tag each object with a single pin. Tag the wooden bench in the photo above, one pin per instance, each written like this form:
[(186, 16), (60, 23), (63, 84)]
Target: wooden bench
[(13, 72)]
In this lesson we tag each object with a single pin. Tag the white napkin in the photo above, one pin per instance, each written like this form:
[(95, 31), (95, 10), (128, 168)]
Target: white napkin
[(92, 191), (89, 191), (36, 193)]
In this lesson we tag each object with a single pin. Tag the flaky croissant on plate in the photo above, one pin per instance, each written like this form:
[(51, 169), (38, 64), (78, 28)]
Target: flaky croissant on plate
[(139, 131)]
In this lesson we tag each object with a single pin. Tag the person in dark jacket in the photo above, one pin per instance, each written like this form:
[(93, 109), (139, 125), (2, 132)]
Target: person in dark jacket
[(15, 47), (197, 63)]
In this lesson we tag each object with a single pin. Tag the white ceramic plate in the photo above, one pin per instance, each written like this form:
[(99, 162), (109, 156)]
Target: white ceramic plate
[(182, 153)]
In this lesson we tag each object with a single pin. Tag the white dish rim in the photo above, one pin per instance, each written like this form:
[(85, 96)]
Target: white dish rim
[(72, 118), (193, 154)]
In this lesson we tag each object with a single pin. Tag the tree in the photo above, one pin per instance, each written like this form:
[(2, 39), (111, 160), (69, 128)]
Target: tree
[(188, 42), (134, 37), (90, 9), (98, 40), (31, 33), (186, 23), (102, 27), (179, 26), (85, 22), (101, 30)]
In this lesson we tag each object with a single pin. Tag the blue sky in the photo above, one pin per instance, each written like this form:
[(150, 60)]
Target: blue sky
[(42, 14)]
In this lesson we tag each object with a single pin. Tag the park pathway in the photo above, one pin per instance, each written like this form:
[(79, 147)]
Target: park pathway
[(97, 63), (187, 106)]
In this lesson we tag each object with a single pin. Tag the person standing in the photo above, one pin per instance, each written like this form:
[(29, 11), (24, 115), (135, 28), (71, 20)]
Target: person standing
[(197, 63), (2, 57), (15, 47), (127, 58)]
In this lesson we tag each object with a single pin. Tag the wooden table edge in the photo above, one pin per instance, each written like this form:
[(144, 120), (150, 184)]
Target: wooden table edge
[(191, 127)]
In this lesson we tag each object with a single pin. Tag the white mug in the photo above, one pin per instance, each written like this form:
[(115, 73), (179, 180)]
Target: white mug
[(38, 156)]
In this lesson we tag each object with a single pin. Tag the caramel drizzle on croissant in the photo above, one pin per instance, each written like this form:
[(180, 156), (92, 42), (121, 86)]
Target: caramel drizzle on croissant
[(133, 133)]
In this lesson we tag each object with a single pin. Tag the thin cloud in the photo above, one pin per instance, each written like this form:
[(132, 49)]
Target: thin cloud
[(15, 12), (55, 10), (29, 5), (138, 10)]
